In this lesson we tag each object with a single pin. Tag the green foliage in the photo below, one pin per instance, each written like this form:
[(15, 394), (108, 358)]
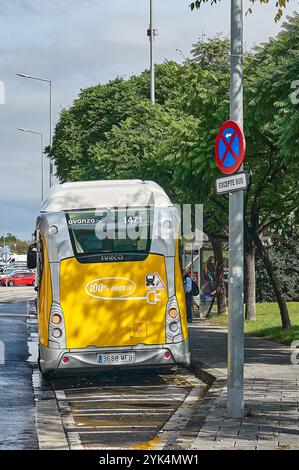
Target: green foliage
[(272, 198), (146, 145), (112, 131), (92, 115), (284, 253), (279, 4), (87, 125), (9, 238), (16, 245), (271, 121)]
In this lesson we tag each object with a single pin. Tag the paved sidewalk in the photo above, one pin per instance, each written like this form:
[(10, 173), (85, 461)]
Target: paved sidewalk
[(271, 395)]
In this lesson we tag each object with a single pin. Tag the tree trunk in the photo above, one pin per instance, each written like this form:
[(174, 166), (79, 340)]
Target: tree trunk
[(285, 319), (219, 271), (250, 291)]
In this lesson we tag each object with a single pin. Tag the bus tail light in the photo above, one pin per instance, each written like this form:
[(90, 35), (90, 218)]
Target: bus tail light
[(173, 313), (56, 319), (167, 355), (56, 327), (173, 321)]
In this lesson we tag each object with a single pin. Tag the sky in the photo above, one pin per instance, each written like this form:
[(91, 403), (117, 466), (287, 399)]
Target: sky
[(76, 44)]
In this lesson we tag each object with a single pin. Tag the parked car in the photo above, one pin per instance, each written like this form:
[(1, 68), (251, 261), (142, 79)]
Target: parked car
[(19, 279), (10, 272), (21, 265), (17, 258)]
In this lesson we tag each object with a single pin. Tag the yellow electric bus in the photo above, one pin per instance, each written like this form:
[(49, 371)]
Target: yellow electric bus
[(110, 288)]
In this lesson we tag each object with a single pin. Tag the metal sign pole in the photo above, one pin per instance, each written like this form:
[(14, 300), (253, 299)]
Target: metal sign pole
[(235, 399), (50, 138)]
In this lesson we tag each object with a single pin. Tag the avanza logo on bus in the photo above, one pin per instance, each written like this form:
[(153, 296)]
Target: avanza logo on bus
[(109, 287)]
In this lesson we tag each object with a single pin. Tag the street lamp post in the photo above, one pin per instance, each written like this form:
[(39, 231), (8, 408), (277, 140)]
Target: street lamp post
[(50, 123), (152, 32), (42, 155)]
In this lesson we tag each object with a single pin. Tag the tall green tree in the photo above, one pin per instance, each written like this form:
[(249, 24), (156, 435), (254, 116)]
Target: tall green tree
[(112, 131), (271, 119), (272, 198)]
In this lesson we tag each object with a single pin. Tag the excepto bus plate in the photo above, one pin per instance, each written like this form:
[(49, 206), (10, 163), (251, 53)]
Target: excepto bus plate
[(117, 358), (230, 184)]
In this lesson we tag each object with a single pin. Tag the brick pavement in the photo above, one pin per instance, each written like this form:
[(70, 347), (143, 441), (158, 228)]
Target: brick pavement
[(271, 393)]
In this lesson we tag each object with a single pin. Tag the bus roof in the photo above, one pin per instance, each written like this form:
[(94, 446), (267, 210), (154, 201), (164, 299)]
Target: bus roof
[(104, 193)]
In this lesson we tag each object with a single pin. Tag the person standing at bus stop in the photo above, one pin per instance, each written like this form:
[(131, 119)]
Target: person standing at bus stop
[(188, 294)]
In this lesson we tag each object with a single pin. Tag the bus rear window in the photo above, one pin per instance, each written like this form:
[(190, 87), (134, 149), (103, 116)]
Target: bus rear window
[(109, 231)]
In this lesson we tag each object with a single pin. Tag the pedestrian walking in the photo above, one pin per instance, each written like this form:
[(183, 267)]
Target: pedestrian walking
[(188, 294)]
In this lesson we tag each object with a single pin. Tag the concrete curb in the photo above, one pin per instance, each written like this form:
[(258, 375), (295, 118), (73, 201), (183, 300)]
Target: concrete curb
[(50, 431), (196, 416)]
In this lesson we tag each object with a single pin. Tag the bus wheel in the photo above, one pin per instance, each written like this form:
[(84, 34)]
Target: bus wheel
[(10, 283)]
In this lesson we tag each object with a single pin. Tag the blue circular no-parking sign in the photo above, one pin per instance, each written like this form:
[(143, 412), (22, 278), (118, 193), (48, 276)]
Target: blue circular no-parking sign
[(230, 147)]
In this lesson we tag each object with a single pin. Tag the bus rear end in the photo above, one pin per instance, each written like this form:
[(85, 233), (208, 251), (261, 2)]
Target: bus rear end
[(118, 296)]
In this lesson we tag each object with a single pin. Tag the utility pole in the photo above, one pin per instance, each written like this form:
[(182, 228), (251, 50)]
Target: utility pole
[(152, 32), (50, 137), (235, 403)]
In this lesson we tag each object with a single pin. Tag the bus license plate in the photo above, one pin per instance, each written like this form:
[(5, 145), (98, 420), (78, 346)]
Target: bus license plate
[(116, 358)]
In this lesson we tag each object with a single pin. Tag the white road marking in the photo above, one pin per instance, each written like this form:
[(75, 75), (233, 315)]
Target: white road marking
[(131, 410), (121, 413), (110, 431), (133, 400), (103, 447), (132, 426), (60, 394), (16, 315), (125, 387), (123, 396), (74, 440)]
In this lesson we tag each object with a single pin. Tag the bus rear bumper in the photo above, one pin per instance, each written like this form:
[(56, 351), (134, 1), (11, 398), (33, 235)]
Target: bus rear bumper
[(88, 358)]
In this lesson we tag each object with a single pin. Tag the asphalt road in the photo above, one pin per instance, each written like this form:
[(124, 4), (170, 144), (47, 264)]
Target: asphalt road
[(17, 411)]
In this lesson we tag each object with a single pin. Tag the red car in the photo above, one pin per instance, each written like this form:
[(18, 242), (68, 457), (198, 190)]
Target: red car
[(18, 279)]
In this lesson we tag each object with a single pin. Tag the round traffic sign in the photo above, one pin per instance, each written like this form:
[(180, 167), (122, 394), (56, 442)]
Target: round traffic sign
[(230, 147)]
